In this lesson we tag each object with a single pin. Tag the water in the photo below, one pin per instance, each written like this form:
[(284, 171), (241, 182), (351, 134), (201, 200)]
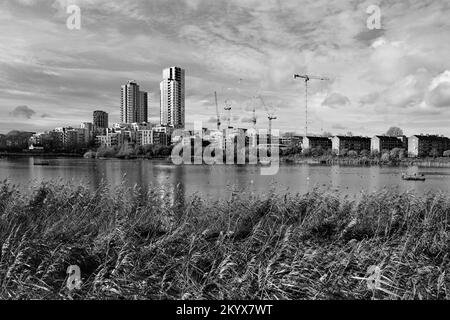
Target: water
[(219, 181)]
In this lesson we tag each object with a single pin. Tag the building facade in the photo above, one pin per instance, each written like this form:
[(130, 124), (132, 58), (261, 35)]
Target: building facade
[(100, 119), (108, 140), (427, 145), (172, 104), (380, 143), (311, 142), (350, 143), (129, 102), (142, 112)]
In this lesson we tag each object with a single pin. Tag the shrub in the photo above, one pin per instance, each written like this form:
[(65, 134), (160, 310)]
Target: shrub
[(352, 154), (385, 157), (434, 153), (364, 153), (106, 152), (344, 152), (306, 152)]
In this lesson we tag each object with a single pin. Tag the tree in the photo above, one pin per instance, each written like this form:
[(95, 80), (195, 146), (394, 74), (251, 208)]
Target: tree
[(306, 152), (434, 153), (327, 134), (353, 154), (349, 134), (394, 132), (364, 153), (385, 157), (344, 152), (395, 153), (447, 153), (317, 152)]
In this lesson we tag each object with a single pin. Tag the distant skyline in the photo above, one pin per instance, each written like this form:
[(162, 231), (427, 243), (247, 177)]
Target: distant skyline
[(397, 76)]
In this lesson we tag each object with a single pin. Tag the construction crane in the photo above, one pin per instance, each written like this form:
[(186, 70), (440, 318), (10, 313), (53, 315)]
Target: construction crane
[(307, 78), (254, 113), (228, 109), (217, 112), (271, 117)]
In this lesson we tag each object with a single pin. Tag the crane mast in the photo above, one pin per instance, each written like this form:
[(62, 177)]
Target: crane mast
[(217, 112), (271, 117), (228, 109), (307, 78), (254, 114)]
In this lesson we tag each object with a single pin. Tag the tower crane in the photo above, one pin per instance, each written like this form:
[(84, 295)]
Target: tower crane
[(254, 113), (271, 117), (307, 78), (228, 109), (217, 112)]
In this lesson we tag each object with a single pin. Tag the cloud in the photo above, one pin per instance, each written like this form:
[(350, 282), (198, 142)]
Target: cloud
[(440, 96), (369, 98), (369, 37), (392, 72), (246, 120), (212, 120), (23, 112), (336, 100), (338, 127), (408, 91), (439, 91)]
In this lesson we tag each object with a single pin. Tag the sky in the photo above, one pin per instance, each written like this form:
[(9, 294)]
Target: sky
[(399, 75)]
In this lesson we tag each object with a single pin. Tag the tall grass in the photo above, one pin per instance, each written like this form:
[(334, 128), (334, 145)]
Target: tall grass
[(134, 246)]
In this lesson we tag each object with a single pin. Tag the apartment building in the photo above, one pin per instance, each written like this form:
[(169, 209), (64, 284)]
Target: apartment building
[(427, 145), (380, 143), (312, 142), (355, 143)]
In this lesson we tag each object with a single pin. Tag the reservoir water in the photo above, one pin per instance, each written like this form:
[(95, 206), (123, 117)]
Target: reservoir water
[(218, 181)]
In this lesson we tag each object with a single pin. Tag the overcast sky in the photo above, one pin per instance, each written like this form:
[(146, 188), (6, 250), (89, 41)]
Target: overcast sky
[(51, 76)]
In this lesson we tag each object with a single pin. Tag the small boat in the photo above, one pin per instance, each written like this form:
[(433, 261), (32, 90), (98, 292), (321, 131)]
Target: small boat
[(41, 163), (413, 177)]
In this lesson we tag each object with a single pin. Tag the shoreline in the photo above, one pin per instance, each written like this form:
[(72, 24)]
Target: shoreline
[(289, 160)]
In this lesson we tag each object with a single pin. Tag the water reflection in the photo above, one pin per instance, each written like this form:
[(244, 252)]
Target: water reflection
[(177, 182)]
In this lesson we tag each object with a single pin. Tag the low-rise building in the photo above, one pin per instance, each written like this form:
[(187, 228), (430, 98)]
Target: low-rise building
[(291, 140), (354, 143), (144, 137), (109, 140), (427, 145), (312, 142), (380, 143)]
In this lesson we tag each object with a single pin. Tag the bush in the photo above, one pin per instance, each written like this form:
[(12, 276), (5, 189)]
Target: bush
[(352, 154), (106, 152), (386, 157), (317, 152), (306, 152), (364, 153), (343, 153), (375, 154), (434, 153)]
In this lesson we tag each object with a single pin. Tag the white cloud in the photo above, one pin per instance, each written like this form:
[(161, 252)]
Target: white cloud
[(264, 42)]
